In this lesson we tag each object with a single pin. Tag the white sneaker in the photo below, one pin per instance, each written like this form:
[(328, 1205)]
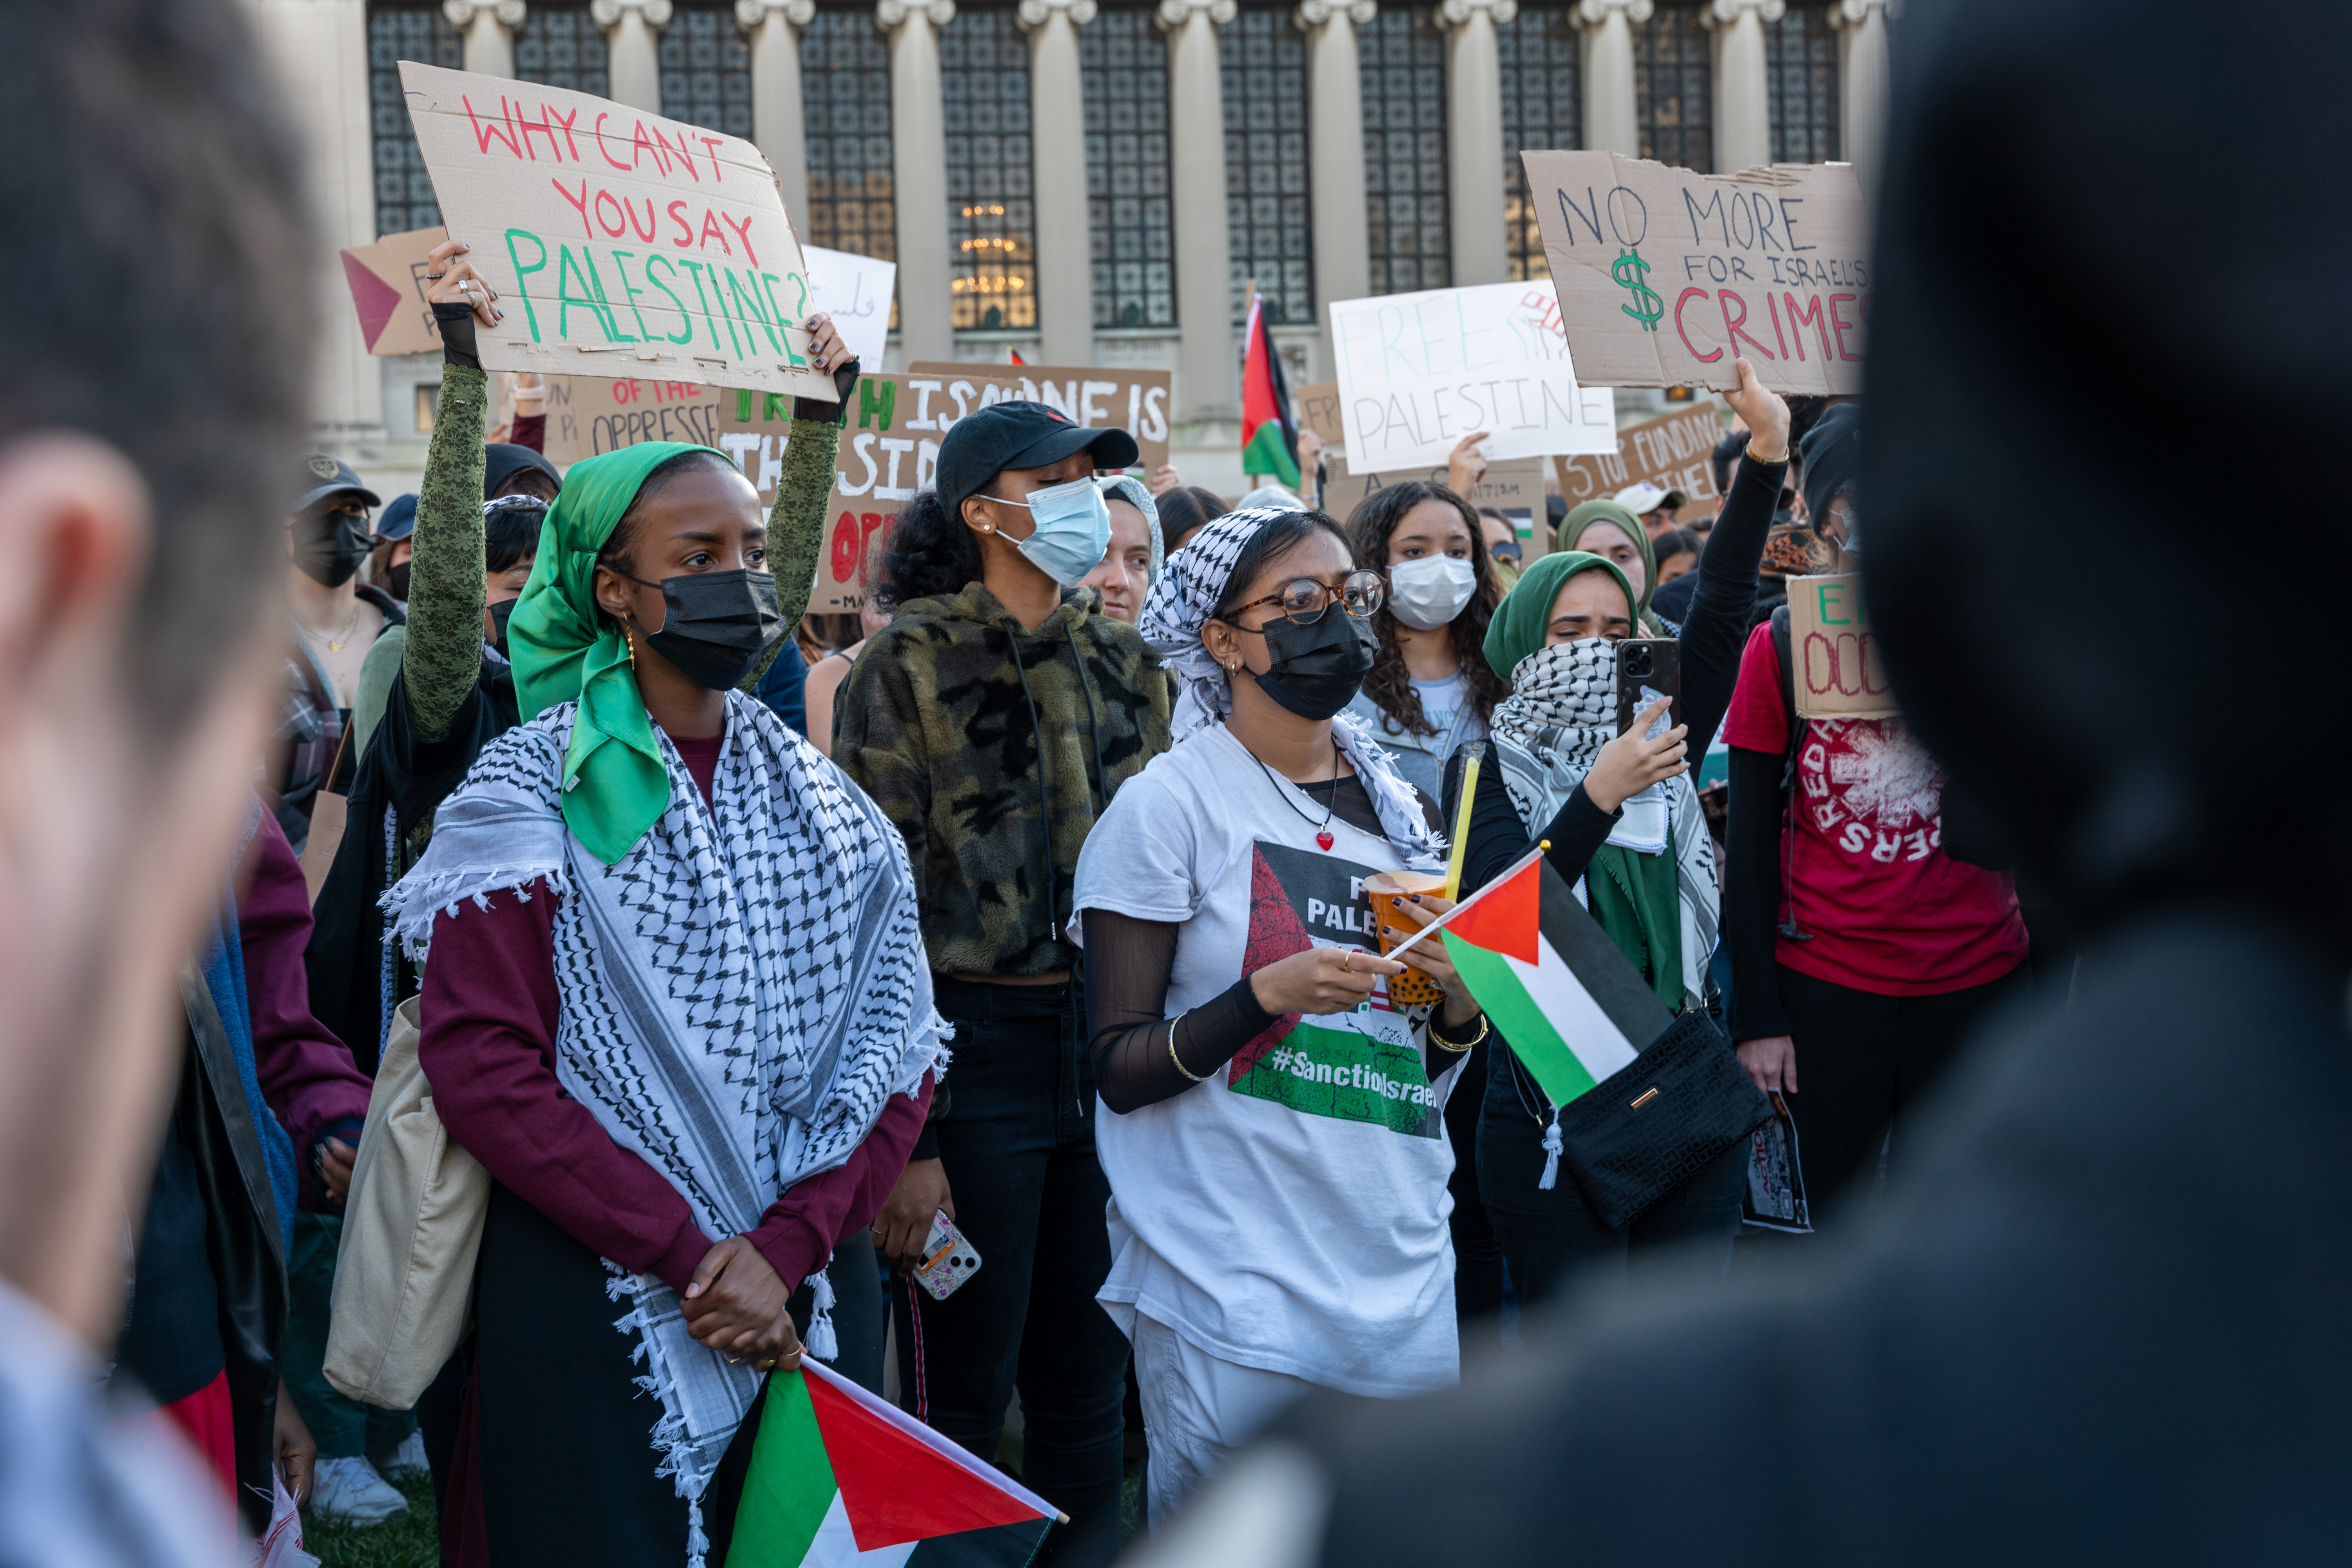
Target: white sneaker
[(404, 1461), (349, 1491)]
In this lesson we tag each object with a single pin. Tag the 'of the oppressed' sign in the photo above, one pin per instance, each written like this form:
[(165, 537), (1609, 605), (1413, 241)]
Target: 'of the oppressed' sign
[(1832, 654), (1666, 276), (615, 236), (1419, 372)]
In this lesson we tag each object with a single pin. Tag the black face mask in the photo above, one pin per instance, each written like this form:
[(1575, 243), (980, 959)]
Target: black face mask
[(716, 624), (1317, 669), (397, 582), (500, 614), (330, 545)]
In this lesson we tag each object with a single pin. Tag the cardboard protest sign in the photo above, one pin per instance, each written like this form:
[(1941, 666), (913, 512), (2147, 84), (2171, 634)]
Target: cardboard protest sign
[(616, 236), (388, 288), (1317, 408), (1513, 485), (1419, 372), (1098, 397), (855, 291), (888, 449), (1673, 451), (1665, 276), (589, 415), (1832, 655)]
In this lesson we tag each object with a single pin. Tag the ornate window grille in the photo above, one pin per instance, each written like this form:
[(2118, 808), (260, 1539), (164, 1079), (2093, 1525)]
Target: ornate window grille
[(1403, 76), (991, 219), (1269, 225), (1674, 87), (1123, 61), (1543, 108), (1800, 63), (403, 191)]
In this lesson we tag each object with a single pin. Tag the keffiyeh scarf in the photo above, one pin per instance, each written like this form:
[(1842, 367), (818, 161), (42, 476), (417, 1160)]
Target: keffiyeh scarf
[(1182, 598), (742, 993), (1562, 709)]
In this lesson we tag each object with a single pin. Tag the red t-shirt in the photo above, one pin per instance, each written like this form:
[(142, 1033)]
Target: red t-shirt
[(1867, 876)]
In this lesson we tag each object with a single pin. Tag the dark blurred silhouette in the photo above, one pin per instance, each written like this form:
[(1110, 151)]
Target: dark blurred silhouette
[(2100, 1318)]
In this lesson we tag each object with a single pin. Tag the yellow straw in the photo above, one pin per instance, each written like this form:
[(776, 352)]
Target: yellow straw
[(1462, 828)]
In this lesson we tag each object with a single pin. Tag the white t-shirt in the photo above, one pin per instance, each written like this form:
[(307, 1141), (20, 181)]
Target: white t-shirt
[(1290, 1214)]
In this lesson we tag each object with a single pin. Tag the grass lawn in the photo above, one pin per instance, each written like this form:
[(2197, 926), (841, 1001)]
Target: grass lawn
[(411, 1540)]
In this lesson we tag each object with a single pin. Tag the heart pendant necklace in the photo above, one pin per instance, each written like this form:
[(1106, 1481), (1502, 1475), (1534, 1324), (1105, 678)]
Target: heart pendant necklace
[(1324, 838)]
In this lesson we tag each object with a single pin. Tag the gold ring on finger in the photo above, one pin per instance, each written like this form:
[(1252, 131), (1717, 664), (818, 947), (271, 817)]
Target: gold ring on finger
[(1348, 962)]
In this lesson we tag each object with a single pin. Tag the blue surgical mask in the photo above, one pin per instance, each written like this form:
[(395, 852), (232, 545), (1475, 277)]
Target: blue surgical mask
[(1072, 534)]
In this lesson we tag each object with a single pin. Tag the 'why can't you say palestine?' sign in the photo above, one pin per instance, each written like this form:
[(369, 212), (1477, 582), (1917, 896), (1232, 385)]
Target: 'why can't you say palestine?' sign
[(1665, 276), (621, 243)]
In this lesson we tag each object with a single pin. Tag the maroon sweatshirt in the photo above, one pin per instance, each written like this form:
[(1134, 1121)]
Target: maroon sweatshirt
[(489, 1053)]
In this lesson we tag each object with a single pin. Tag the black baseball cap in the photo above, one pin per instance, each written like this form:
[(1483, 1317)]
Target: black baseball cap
[(502, 460), (1018, 434), (323, 476), (399, 519)]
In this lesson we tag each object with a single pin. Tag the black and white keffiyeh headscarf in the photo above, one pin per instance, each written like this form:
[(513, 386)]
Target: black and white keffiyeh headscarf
[(1562, 709), (742, 993), (1182, 598)]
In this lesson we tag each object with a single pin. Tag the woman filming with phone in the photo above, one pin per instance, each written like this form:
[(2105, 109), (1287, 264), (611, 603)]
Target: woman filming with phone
[(1616, 803)]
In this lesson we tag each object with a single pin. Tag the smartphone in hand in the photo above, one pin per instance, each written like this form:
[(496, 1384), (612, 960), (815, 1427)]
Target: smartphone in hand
[(948, 1259), (1647, 670)]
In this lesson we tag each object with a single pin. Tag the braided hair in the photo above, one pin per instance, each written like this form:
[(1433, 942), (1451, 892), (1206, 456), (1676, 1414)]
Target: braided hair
[(1390, 684)]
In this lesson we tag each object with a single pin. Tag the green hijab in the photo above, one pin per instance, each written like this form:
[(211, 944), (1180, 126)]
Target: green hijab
[(1633, 896), (1525, 613), (615, 785), (1572, 527)]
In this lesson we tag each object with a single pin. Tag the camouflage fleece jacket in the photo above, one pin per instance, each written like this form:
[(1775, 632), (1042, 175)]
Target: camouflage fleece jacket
[(934, 725)]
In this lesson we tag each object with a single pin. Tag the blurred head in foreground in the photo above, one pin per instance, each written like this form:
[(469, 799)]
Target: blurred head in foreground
[(150, 380)]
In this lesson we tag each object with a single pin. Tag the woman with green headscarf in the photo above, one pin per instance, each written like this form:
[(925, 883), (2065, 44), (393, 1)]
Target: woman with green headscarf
[(1607, 528), (677, 1004), (1623, 827)]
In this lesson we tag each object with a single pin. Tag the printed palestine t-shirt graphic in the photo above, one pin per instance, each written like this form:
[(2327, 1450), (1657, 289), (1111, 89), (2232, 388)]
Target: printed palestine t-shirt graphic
[(1358, 1067)]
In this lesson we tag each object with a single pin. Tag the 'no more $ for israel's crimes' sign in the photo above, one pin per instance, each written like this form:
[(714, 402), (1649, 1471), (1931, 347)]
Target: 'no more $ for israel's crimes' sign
[(620, 243), (1666, 276)]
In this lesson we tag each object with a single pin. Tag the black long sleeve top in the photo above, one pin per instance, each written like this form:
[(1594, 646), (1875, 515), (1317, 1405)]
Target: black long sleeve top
[(1712, 641), (1752, 893)]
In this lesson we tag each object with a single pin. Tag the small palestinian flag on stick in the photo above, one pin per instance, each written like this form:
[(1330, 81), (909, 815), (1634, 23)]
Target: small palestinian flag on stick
[(1269, 428), (1573, 1007), (837, 1477)]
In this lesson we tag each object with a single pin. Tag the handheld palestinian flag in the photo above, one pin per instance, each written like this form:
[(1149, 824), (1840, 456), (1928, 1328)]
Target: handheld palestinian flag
[(1573, 1007), (1269, 428), (837, 1477)]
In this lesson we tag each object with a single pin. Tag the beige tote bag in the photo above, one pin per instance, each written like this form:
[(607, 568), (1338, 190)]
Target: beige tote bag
[(404, 1276)]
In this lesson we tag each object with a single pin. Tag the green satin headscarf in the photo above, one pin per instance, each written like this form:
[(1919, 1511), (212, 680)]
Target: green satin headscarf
[(1572, 527), (615, 785), (1522, 619)]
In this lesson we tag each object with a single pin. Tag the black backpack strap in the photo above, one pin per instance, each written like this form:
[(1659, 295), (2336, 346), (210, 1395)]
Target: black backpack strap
[(1796, 726), (1780, 648)]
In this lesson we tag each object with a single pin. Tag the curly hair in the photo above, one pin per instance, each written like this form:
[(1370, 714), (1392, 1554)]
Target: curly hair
[(929, 553), (1390, 684)]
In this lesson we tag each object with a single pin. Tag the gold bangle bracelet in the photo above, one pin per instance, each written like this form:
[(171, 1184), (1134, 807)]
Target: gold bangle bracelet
[(1441, 1042), (1188, 1072), (1750, 451)]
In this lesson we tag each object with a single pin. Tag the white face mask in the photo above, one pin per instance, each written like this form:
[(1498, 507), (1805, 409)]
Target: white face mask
[(1429, 593)]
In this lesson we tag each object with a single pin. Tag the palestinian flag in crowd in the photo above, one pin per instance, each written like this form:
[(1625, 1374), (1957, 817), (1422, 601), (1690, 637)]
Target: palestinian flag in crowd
[(835, 1476), (1573, 1007), (1269, 428)]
